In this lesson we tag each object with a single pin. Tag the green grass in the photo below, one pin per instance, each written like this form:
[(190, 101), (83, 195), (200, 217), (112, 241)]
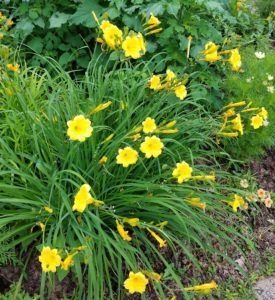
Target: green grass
[(40, 166)]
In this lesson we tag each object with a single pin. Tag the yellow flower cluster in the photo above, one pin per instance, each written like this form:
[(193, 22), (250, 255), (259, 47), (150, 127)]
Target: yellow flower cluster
[(137, 282), (132, 44), (233, 121), (168, 82), (50, 259), (152, 145), (5, 25), (211, 54)]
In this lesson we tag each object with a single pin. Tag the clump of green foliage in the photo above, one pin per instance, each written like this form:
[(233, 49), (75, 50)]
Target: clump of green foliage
[(40, 166), (255, 84), (66, 30)]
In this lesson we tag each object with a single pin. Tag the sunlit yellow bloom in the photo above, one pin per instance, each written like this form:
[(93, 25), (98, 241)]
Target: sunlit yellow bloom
[(108, 138), (152, 146), (204, 288), (79, 128), (170, 124), (155, 83), (235, 59), (135, 137), (182, 172), (103, 159), (15, 68), (257, 121), (211, 52), (153, 275), (48, 209), (123, 233), (136, 283), (149, 125), (170, 75), (111, 34), (237, 124), (127, 156), (42, 226), (263, 113), (1, 35), (132, 221), (101, 107), (134, 45), (49, 259), (82, 198), (68, 262), (161, 242), (181, 91)]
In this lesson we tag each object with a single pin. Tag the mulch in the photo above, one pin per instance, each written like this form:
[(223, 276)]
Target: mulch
[(264, 236)]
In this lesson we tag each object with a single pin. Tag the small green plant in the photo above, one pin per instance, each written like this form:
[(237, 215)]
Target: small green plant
[(255, 84)]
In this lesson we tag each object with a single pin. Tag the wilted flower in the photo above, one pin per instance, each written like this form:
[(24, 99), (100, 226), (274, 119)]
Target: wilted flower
[(103, 159), (157, 238), (123, 233), (68, 261)]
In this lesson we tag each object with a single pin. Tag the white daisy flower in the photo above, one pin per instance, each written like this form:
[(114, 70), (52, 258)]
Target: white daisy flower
[(270, 89), (260, 55)]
